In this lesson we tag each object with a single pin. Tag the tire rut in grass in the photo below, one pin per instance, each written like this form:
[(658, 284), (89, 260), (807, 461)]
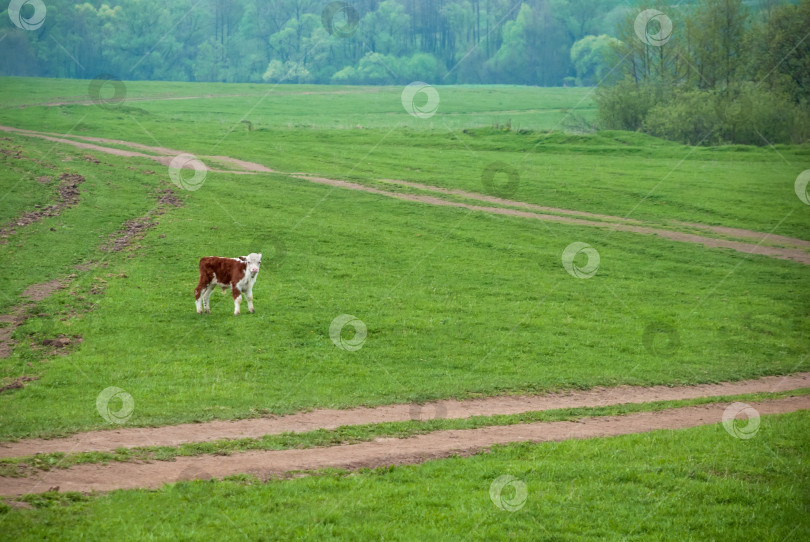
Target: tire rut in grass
[(795, 252), (174, 435), (379, 453), (18, 315), (68, 196)]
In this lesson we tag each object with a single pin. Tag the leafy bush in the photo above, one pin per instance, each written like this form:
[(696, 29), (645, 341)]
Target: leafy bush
[(746, 115), (625, 105)]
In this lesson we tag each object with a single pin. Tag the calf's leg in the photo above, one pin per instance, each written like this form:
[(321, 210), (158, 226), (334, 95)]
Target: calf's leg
[(237, 300), (250, 300), (199, 296), (207, 297)]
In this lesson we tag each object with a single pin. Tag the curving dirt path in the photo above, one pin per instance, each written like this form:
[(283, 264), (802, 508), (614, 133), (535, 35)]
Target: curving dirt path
[(793, 254), (381, 452), (791, 249), (161, 155), (175, 435)]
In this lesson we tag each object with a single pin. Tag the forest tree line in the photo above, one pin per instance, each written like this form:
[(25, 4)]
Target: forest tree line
[(708, 71), (387, 42)]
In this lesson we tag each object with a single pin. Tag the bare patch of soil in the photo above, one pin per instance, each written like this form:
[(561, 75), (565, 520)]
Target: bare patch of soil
[(382, 452), (38, 292), (68, 191), (18, 383), (132, 230), (61, 341), (136, 228), (13, 320), (175, 435)]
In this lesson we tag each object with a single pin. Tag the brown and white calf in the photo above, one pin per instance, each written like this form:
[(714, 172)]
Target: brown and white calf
[(238, 273)]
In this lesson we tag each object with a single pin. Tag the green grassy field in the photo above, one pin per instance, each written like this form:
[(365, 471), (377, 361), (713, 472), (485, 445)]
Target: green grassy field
[(665, 485), (456, 303), (305, 128)]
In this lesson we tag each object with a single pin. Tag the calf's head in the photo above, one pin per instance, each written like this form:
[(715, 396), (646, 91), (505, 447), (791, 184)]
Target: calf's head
[(253, 261)]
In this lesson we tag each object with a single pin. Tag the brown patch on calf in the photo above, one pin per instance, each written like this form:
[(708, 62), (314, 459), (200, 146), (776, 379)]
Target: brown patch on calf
[(227, 271)]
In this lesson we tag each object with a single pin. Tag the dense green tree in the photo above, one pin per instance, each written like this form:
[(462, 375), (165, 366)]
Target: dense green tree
[(721, 76), (593, 57)]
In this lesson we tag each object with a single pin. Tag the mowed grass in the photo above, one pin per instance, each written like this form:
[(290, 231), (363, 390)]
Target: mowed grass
[(302, 106), (456, 303), (365, 133), (698, 483)]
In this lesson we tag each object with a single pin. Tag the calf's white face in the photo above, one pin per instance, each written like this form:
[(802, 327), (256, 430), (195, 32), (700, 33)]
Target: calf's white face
[(254, 260)]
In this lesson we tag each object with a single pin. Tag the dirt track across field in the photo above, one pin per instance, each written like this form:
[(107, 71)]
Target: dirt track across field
[(175, 435), (789, 248), (381, 452)]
